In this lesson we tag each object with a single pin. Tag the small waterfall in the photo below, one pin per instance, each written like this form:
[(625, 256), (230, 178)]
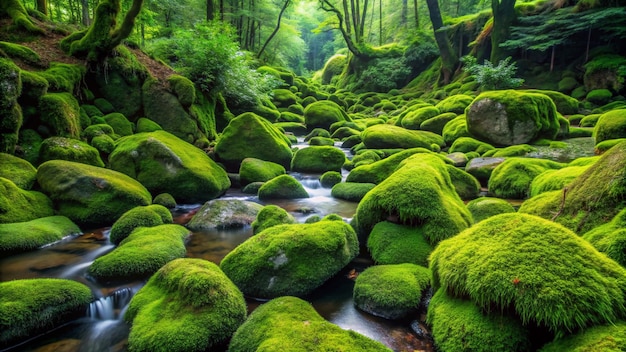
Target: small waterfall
[(110, 307)]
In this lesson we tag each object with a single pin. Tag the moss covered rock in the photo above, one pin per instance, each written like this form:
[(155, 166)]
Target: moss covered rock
[(61, 114), (379, 170), (250, 136), (30, 235), (164, 163), (389, 136), (455, 129), (611, 337), (391, 291), (90, 195), (429, 201), (469, 144), (18, 205), (257, 170), (322, 114), (19, 171), (415, 118), (31, 307), (330, 178), (391, 243), (141, 254), (61, 148), (224, 214), (512, 178), (481, 168), (318, 159), (351, 191), (544, 273), (486, 207), (291, 259), (610, 238), (271, 215), (190, 303), (564, 104), (282, 187), (599, 96), (466, 185), (287, 323), (11, 117), (146, 216), (120, 124), (283, 98), (552, 180), (455, 103), (610, 125), (437, 123), (511, 117), (147, 125)]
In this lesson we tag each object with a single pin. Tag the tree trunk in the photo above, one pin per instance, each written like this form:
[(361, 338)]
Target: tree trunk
[(417, 15), (85, 13), (380, 23), (210, 10), (17, 12), (347, 12), (503, 16), (280, 16), (329, 7), (362, 21), (448, 59), (42, 6), (405, 11)]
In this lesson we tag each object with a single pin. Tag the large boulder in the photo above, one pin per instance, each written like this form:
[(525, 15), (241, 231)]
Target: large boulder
[(510, 117), (282, 187), (22, 173), (224, 214), (90, 195), (391, 243), (60, 113), (164, 163), (148, 216), (286, 259), (271, 215), (257, 170), (318, 159), (377, 171), (30, 235), (322, 114), (390, 136), (250, 136), (289, 323), (610, 125), (18, 205), (61, 148), (188, 305)]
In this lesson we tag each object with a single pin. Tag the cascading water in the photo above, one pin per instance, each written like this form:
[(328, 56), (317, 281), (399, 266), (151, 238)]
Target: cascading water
[(110, 307)]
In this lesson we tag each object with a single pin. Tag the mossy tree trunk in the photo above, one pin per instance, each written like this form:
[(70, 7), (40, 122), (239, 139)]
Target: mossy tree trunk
[(104, 34), (503, 16), (15, 10), (276, 29), (448, 58)]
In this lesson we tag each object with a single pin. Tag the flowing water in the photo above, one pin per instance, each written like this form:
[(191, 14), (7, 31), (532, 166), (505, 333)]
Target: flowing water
[(103, 329)]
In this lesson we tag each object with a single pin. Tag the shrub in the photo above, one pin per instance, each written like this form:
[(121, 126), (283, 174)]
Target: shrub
[(490, 77)]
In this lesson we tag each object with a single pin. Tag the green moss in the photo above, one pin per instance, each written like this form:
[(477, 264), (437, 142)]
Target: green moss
[(565, 104), (296, 128), (141, 254), (459, 325), (282, 187), (610, 125), (486, 207), (220, 214), (511, 151), (120, 124), (206, 113), (429, 201), (619, 104), (91, 110), (30, 142), (577, 132), (256, 170), (291, 259), (469, 144), (330, 178), (579, 93), (512, 178), (271, 215), (287, 116), (19, 171), (90, 195), (183, 88), (252, 188), (33, 87), (599, 96), (286, 322), (147, 125), (546, 274), (602, 147), (165, 199), (466, 185), (104, 106), (250, 136), (318, 159), (192, 305), (142, 216), (21, 52), (391, 243), (60, 148), (283, 98), (389, 136), (164, 163), (33, 306), (437, 123), (63, 77), (333, 67), (552, 180), (455, 129), (98, 130), (322, 114), (378, 171), (61, 113), (18, 205), (455, 103), (30, 235), (608, 338), (321, 141), (610, 238), (567, 85), (391, 291), (365, 157), (590, 120), (103, 143), (351, 191), (415, 118)]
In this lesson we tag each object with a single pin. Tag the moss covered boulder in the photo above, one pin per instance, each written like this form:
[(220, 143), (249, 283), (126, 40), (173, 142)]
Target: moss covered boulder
[(188, 305), (389, 136), (18, 205), (291, 259), (120, 124), (511, 117), (257, 170), (322, 114), (90, 195), (610, 337), (289, 323), (379, 170), (542, 272), (466, 185), (141, 254), (391, 291), (455, 129), (455, 103), (19, 171), (610, 238), (61, 148), (164, 163), (61, 114), (552, 180), (391, 243), (610, 125), (30, 235), (318, 159), (351, 191), (429, 201), (10, 111), (224, 214), (250, 136), (469, 144), (415, 118), (142, 216), (282, 187), (33, 306), (481, 168), (486, 207), (512, 178), (271, 215)]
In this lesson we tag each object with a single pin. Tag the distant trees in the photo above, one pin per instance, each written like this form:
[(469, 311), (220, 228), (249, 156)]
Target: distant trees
[(448, 57)]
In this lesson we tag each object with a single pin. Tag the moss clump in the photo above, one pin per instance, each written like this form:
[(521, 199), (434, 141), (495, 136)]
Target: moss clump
[(147, 125), (282, 187), (18, 205), (610, 238), (33, 306), (257, 170), (389, 136), (321, 141), (98, 130), (590, 120), (30, 235), (459, 325), (351, 191), (224, 214), (318, 159), (192, 305), (250, 136), (63, 77), (455, 129), (330, 178), (271, 215), (121, 125), (283, 98), (333, 67), (90, 195), (19, 171), (610, 125), (166, 200), (146, 216), (391, 243), (486, 207), (61, 113), (552, 180), (599, 96), (546, 274), (378, 171), (60, 148), (455, 103), (164, 163), (469, 144), (466, 185), (286, 322), (512, 178), (415, 118), (183, 88), (437, 123), (565, 104), (322, 114), (429, 201), (291, 259), (598, 338), (141, 254), (514, 150), (391, 291)]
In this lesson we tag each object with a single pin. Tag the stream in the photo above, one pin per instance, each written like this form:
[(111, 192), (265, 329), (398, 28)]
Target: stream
[(102, 328)]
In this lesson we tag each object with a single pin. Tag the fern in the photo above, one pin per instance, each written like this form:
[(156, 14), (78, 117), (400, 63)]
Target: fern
[(492, 77)]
